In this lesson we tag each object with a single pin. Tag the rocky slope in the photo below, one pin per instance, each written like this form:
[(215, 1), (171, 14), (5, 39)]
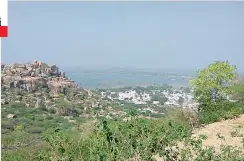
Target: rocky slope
[(32, 76), (38, 84)]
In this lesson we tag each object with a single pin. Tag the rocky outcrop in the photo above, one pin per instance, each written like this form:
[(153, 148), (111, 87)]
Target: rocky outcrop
[(43, 86), (32, 76)]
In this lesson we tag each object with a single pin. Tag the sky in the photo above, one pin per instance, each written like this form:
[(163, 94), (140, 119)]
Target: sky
[(160, 35)]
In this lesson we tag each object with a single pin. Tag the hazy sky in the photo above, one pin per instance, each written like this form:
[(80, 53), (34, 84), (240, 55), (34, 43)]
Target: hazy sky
[(126, 34)]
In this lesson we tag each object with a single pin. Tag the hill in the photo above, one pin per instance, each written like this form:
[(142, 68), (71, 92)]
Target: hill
[(46, 116), (36, 96), (37, 83)]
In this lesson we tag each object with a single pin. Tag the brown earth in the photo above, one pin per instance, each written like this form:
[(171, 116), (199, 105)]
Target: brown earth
[(232, 131), (228, 132)]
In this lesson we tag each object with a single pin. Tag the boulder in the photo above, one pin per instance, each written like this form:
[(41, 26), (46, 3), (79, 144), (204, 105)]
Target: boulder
[(33, 74), (10, 116), (4, 101)]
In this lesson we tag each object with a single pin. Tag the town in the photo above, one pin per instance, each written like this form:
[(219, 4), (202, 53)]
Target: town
[(161, 95)]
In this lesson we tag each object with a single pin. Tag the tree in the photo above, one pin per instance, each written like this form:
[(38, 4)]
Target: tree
[(238, 92), (212, 84)]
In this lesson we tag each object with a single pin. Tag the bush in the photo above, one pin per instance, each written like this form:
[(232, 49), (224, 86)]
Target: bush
[(208, 117), (52, 110), (4, 131), (17, 105), (77, 112), (35, 130), (228, 110), (19, 127), (7, 125), (238, 92), (39, 118), (48, 117), (43, 108), (140, 137)]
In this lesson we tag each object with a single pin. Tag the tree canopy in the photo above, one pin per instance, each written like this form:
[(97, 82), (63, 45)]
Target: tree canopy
[(238, 91), (212, 84)]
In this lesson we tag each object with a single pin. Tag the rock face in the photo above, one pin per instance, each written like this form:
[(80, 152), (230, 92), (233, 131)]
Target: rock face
[(43, 86), (36, 75)]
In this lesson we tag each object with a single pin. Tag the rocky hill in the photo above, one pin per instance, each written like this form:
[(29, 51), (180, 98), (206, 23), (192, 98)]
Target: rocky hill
[(33, 76), (38, 84)]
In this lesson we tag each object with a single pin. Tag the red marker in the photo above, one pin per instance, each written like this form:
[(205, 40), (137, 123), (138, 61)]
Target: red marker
[(3, 18), (3, 31)]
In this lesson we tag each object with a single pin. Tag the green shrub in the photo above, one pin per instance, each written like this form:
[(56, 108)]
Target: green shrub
[(17, 105), (39, 118), (49, 117), (43, 108), (228, 110), (29, 116), (35, 130), (208, 117), (52, 110), (77, 111), (4, 131), (118, 139), (7, 125), (19, 127)]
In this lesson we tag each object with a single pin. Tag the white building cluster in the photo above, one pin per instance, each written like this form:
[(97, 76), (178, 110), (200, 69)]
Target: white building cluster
[(131, 96)]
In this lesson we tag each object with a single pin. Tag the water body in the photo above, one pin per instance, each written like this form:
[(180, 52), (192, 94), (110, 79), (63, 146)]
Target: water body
[(92, 80)]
